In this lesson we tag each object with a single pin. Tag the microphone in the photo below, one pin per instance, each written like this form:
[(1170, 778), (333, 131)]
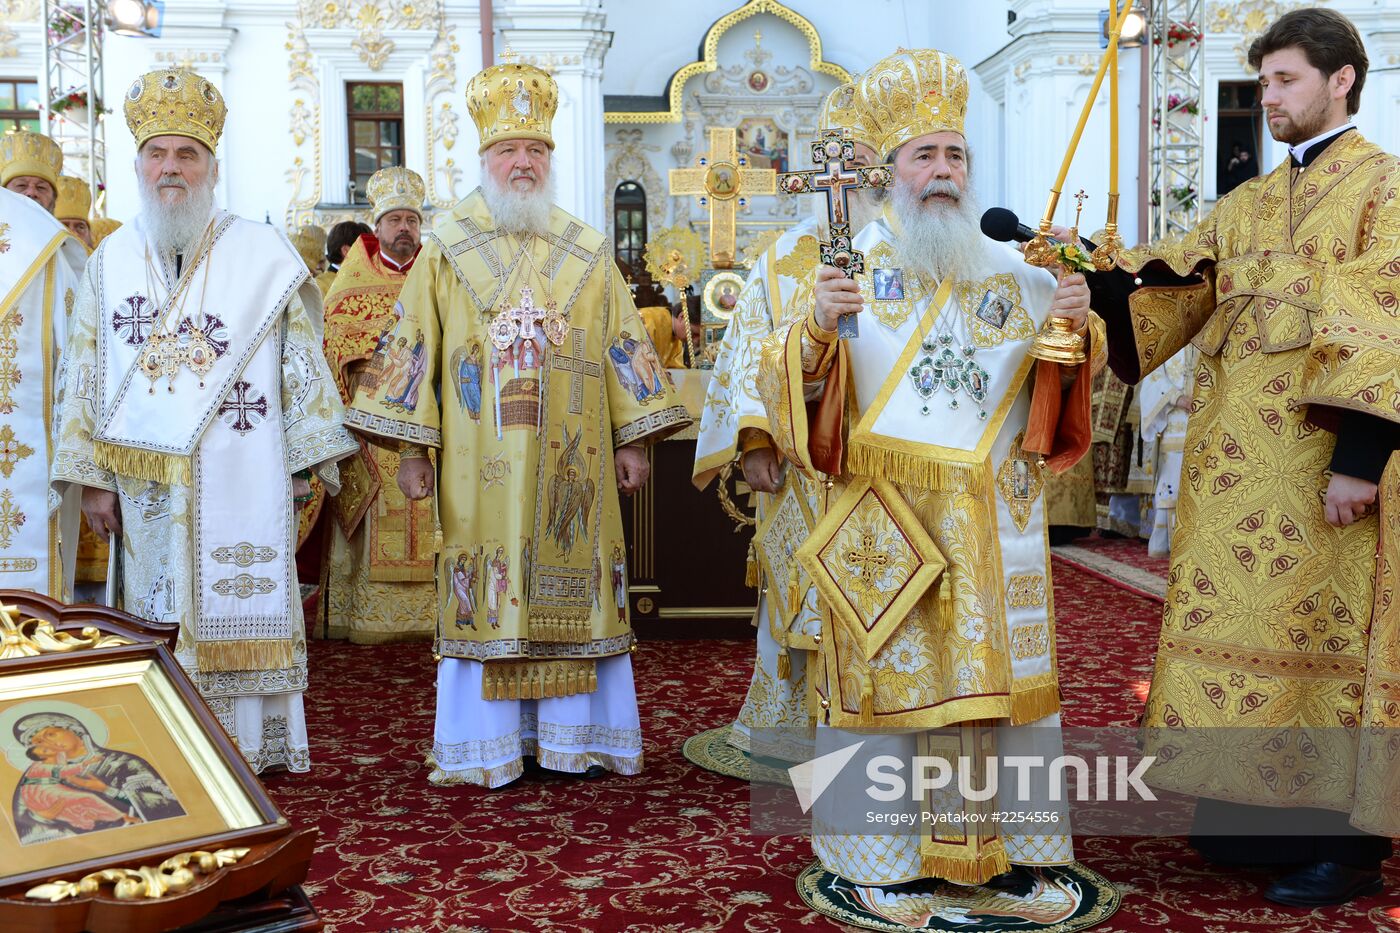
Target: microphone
[(1002, 225)]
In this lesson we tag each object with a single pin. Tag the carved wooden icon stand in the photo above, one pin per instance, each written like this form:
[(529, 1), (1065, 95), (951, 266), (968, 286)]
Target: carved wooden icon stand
[(243, 878)]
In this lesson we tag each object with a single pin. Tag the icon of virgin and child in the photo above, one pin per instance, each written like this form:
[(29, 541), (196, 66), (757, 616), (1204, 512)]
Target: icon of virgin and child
[(70, 783)]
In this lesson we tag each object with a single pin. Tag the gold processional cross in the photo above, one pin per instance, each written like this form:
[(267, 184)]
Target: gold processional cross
[(835, 181), (723, 182)]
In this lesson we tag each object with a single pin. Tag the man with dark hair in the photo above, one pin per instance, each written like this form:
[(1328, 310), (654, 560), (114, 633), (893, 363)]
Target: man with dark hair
[(1275, 683), (338, 242)]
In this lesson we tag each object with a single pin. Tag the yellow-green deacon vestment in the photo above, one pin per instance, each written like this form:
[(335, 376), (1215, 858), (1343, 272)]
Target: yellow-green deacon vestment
[(522, 360)]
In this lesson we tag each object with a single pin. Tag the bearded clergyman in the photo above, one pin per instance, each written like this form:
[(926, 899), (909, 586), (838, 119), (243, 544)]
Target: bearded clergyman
[(734, 426), (196, 405), (512, 356), (379, 564), (930, 558), (1276, 692)]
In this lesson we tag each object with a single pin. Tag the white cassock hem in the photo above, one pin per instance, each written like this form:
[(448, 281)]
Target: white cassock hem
[(484, 742), (269, 729)]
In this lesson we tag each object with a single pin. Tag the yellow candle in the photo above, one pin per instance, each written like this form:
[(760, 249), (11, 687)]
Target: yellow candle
[(1104, 63), (1115, 25)]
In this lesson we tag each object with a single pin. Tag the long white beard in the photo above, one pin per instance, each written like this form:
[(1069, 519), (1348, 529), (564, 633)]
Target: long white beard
[(940, 238), (176, 227), (519, 212)]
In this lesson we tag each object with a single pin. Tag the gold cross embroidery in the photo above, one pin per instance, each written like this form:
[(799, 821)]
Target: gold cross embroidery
[(866, 560)]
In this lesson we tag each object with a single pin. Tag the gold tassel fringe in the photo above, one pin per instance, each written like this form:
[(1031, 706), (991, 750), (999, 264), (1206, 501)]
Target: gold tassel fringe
[(897, 466), (263, 654), (979, 869), (170, 469), (751, 569), (552, 625), (537, 680), (784, 663), (1036, 703), (945, 594), (867, 699)]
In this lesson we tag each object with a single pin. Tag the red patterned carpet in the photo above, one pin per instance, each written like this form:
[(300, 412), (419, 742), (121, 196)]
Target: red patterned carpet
[(667, 850), (1131, 551), (1122, 561)]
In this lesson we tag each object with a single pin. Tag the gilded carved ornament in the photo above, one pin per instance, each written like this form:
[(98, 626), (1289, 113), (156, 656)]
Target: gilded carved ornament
[(176, 874), (32, 638)]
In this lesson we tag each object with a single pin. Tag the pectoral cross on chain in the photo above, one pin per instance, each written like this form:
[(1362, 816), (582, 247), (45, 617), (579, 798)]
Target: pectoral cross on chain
[(835, 180)]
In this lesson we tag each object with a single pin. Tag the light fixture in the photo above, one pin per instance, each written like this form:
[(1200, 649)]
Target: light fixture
[(137, 18), (1130, 36)]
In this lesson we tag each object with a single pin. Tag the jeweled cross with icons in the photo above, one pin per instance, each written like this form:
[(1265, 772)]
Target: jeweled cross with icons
[(835, 179)]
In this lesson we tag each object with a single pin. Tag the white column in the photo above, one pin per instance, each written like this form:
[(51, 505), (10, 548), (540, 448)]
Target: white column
[(1039, 81), (567, 38)]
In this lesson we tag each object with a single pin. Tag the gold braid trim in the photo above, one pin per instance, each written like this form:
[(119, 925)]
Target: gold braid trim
[(536, 680), (952, 863), (263, 654), (170, 469)]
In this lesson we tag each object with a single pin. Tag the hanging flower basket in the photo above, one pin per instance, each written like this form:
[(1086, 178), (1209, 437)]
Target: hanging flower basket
[(1180, 35), (72, 102), (66, 22)]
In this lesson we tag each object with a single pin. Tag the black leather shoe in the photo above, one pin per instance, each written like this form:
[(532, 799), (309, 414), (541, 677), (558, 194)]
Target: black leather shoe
[(1323, 884), (1020, 881), (594, 771)]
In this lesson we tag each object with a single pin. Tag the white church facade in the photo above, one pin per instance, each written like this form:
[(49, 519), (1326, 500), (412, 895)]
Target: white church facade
[(321, 93)]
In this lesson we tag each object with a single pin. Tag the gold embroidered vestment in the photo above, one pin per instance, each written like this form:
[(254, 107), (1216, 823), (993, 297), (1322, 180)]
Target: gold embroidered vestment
[(1269, 619)]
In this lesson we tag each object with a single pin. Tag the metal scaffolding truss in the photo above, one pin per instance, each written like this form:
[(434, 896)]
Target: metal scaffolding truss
[(73, 66), (1176, 138)]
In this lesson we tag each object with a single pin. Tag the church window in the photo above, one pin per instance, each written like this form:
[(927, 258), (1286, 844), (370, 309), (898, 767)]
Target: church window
[(19, 105), (629, 227), (375, 118), (1237, 135)]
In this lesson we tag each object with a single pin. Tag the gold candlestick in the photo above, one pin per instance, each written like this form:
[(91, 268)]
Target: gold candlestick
[(1058, 343), (1105, 255)]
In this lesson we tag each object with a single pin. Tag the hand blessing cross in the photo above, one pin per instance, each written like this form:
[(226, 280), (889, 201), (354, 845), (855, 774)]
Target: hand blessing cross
[(836, 180)]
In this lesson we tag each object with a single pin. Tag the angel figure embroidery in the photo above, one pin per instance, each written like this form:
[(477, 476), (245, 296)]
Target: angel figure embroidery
[(570, 495), (466, 370), (619, 582), (497, 581), (415, 367), (464, 576)]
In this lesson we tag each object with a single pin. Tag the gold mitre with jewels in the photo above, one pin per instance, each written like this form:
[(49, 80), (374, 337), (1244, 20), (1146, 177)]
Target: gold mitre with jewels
[(912, 94), (512, 101), (840, 110), (396, 189), (74, 199), (175, 102), (26, 153)]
